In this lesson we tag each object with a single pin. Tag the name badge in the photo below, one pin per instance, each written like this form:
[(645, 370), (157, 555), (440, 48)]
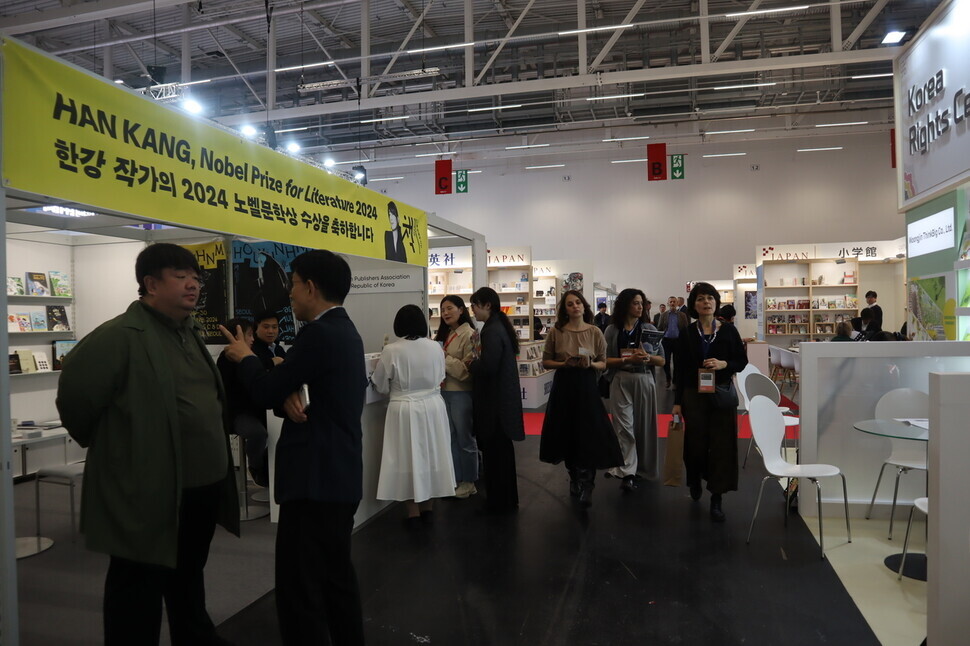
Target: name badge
[(705, 380)]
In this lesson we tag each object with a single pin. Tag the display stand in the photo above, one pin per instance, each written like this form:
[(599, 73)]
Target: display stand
[(804, 300), (510, 275)]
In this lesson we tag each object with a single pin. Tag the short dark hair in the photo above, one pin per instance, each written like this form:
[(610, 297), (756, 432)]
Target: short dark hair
[(245, 324), (409, 323), (155, 258), (488, 296), (883, 336), (727, 311), (601, 306), (329, 272), (702, 288), (266, 314), (872, 294), (844, 329), (866, 314)]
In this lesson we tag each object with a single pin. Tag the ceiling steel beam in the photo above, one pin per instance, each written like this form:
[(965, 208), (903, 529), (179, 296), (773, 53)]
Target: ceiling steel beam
[(850, 42), (323, 49), (502, 43), (417, 23), (80, 13), (705, 28), (583, 81), (413, 14), (254, 44), (503, 12), (330, 29), (835, 24), (131, 31), (616, 36), (243, 78), (734, 32)]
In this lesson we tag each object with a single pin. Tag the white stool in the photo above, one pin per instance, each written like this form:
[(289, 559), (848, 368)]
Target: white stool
[(68, 475)]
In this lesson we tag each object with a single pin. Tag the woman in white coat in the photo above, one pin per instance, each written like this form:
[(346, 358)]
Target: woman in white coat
[(416, 465)]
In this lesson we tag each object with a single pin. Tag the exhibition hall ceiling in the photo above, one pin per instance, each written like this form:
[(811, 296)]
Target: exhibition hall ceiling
[(370, 79)]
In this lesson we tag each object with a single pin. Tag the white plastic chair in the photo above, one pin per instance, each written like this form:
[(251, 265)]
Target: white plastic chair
[(923, 504), (739, 380), (774, 358), (758, 384), (907, 455), (797, 374), (768, 429), (787, 368)]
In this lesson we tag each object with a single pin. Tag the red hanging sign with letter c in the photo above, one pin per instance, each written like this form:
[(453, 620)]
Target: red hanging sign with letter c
[(442, 177), (656, 162)]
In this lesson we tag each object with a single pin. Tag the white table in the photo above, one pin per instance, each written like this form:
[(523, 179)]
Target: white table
[(30, 545)]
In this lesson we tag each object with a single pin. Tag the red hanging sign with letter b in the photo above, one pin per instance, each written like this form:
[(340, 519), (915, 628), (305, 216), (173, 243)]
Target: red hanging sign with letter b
[(656, 162), (442, 177)]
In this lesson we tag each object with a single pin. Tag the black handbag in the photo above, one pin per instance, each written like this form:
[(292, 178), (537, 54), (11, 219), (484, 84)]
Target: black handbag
[(725, 396)]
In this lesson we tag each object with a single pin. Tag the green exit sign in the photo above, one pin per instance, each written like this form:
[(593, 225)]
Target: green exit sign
[(677, 167), (461, 181)]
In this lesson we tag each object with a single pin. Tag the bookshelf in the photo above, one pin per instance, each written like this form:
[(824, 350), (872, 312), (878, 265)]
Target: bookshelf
[(806, 299), (510, 275), (449, 272)]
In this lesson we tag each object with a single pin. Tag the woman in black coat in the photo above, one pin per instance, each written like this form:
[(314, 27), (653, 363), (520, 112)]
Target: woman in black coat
[(710, 419), (496, 401)]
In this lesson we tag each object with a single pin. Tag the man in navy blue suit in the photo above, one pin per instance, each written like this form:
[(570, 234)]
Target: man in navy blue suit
[(318, 457)]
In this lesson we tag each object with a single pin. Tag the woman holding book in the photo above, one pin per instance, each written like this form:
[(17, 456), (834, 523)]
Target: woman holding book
[(458, 338), (708, 356), (631, 354), (496, 402), (576, 428)]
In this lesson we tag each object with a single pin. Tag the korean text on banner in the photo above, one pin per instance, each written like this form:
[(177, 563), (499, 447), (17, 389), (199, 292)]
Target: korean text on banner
[(656, 162), (75, 136)]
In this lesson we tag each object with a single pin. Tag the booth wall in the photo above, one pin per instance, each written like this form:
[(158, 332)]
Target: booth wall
[(104, 282), (658, 234)]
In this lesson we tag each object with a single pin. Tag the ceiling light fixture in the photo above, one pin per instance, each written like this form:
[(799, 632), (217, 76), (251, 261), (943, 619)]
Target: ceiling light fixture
[(527, 146), (329, 162), (728, 132), (356, 161), (570, 32), (193, 106), (439, 48), (293, 147), (764, 11), (727, 155), (743, 86), (119, 81), (291, 130), (451, 152), (847, 123), (248, 131), (815, 150), (496, 107), (627, 161), (614, 96), (546, 166), (193, 82), (893, 37), (382, 78), (303, 67), (386, 179), (871, 76), (625, 139), (407, 116)]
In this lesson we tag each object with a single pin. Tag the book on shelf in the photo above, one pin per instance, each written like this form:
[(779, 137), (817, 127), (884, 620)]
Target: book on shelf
[(771, 304), (36, 284), (27, 364), (60, 350), (38, 322), (802, 304), (840, 304), (60, 283), (41, 362), (12, 324), (15, 364), (15, 286), (23, 321), (848, 278), (831, 304), (851, 302), (814, 303), (57, 318), (791, 303)]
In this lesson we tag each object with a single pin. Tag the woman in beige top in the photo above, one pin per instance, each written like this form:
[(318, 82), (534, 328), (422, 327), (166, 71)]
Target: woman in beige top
[(576, 427), (457, 336)]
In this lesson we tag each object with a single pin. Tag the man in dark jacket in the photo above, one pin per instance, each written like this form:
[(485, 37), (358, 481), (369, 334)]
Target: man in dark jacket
[(602, 319), (321, 387), (142, 393), (672, 323), (265, 333)]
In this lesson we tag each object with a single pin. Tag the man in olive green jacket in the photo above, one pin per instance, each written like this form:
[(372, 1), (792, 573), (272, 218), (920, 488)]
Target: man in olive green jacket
[(142, 393)]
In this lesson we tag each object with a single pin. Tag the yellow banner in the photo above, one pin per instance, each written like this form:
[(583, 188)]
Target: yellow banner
[(75, 136)]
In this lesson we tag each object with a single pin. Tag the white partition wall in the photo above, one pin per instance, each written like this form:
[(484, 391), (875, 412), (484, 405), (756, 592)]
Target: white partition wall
[(841, 383), (948, 544)]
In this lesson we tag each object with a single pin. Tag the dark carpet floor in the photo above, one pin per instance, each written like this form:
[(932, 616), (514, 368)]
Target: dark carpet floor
[(645, 568)]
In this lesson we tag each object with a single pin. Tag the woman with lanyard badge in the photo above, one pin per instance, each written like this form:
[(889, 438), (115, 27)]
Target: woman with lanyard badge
[(708, 356), (633, 394), (576, 427), (458, 337)]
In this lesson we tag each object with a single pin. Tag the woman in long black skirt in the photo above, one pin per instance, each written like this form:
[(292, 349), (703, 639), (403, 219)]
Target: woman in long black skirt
[(577, 429)]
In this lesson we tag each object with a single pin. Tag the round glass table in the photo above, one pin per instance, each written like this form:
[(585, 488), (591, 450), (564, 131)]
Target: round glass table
[(915, 562)]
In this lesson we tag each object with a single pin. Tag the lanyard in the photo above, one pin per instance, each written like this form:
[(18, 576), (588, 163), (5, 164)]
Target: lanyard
[(705, 343), (450, 339)]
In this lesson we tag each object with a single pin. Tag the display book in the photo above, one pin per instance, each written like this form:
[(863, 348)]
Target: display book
[(513, 286), (28, 361), (530, 359), (53, 318), (813, 287), (38, 283)]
